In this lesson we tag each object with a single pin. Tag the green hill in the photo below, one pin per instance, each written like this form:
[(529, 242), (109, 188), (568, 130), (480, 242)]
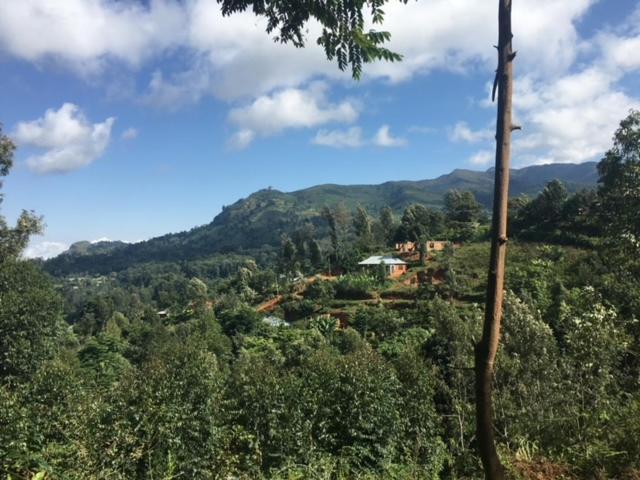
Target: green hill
[(85, 247), (259, 220)]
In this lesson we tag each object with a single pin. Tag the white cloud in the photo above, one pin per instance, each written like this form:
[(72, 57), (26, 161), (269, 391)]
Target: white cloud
[(482, 158), (241, 59), (289, 108), (570, 119), (621, 48), (68, 139), (85, 33), (459, 35), (45, 249), (233, 57), (182, 88), (130, 133), (462, 133), (621, 51), (383, 138), (241, 139), (351, 138), (566, 119)]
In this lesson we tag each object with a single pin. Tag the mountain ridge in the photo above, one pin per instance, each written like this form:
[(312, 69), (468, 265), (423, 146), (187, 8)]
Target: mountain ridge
[(258, 220)]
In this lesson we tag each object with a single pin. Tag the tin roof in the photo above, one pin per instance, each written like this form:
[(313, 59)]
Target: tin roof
[(378, 259), (274, 321)]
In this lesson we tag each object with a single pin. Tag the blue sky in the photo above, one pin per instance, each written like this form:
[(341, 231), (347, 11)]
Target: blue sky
[(134, 119)]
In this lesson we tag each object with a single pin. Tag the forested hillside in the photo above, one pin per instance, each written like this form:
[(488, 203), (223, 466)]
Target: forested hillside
[(297, 362), (260, 219)]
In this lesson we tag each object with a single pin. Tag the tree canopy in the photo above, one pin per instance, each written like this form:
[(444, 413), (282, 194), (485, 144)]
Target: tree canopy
[(345, 36), (14, 240), (619, 190)]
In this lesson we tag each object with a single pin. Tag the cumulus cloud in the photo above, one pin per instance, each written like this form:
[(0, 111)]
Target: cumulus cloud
[(241, 139), (621, 47), (130, 133), (238, 58), (181, 88), (85, 33), (570, 120), (232, 57), (383, 138), (350, 138), (567, 119), (458, 36), (68, 139), (288, 108), (462, 133), (45, 249), (621, 51), (570, 117)]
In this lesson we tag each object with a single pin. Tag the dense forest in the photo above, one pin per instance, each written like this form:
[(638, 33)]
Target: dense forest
[(290, 361)]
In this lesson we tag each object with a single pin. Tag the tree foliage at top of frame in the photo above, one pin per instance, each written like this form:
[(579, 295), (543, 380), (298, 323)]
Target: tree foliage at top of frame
[(345, 36)]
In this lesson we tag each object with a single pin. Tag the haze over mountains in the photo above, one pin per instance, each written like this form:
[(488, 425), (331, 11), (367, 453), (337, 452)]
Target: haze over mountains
[(259, 220)]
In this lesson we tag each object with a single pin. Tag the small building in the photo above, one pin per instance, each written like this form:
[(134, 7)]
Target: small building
[(436, 245), (393, 266), (414, 247), (407, 247)]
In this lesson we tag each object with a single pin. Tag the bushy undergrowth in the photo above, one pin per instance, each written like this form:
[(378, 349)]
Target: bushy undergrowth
[(355, 286)]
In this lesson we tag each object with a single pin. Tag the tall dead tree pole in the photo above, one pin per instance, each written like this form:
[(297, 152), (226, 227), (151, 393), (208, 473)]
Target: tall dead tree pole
[(487, 348)]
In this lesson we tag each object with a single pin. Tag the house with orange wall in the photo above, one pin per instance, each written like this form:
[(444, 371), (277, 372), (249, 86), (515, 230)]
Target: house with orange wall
[(393, 266)]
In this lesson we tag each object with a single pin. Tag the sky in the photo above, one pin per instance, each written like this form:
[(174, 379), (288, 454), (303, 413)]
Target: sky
[(135, 118)]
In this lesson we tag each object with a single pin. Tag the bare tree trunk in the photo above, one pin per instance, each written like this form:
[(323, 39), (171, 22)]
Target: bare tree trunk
[(486, 349)]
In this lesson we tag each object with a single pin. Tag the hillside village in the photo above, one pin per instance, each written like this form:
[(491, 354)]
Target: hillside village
[(399, 271)]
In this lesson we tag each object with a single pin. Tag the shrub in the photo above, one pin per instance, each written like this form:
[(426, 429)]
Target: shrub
[(355, 287), (298, 309), (320, 290), (377, 323), (30, 319), (161, 420)]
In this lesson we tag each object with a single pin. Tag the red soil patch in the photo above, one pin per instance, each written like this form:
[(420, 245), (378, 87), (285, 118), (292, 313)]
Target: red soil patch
[(270, 305), (542, 469)]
